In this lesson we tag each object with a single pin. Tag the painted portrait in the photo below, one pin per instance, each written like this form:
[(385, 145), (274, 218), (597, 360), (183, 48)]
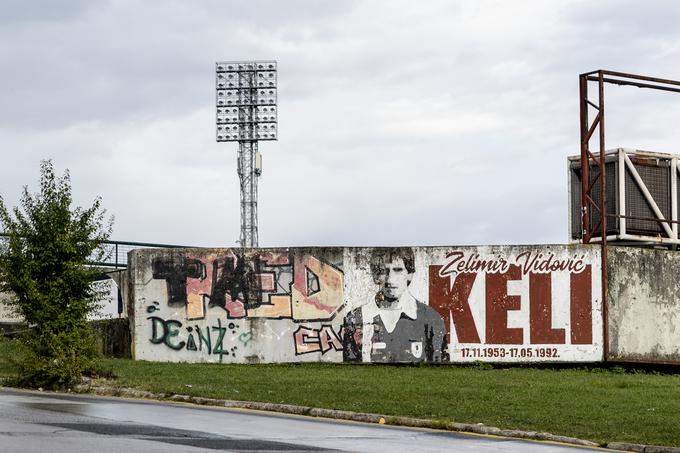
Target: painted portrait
[(392, 325)]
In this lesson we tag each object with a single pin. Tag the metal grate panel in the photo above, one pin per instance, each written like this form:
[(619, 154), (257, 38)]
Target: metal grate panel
[(657, 180)]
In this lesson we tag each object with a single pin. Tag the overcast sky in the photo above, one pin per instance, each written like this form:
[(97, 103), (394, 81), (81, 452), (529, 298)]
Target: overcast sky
[(401, 122)]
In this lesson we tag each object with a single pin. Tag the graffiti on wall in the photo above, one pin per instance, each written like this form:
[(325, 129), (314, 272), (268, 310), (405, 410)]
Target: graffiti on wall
[(210, 339), (506, 308), (266, 286), (322, 339), (499, 304)]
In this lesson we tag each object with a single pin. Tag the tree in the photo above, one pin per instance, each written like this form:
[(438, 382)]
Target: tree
[(42, 263)]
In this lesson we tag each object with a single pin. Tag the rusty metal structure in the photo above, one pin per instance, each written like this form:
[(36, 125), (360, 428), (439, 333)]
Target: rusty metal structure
[(594, 214)]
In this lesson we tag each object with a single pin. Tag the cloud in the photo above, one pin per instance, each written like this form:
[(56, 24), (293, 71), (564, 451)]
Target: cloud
[(439, 122)]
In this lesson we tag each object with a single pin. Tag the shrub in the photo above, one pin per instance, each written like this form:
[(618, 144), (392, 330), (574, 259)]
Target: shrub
[(43, 264)]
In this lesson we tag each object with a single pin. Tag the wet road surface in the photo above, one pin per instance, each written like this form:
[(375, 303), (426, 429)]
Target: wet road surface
[(54, 423)]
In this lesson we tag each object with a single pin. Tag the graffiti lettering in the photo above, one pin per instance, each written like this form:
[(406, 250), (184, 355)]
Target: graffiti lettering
[(322, 340), (165, 331), (175, 271), (219, 347), (234, 281), (265, 285), (191, 343), (210, 340), (204, 339)]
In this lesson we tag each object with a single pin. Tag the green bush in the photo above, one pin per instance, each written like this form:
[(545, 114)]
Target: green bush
[(58, 360), (43, 265)]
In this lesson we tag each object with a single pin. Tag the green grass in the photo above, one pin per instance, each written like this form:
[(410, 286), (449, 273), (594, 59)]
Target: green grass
[(10, 352), (595, 404)]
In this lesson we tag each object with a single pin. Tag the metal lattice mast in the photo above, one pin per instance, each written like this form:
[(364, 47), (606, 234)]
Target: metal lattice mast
[(248, 173), (246, 112)]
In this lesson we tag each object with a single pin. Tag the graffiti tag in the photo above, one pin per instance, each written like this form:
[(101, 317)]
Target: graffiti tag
[(321, 339)]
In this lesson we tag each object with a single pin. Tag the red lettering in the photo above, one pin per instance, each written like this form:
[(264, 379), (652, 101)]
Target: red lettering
[(498, 303), (581, 307), (540, 311), (453, 302)]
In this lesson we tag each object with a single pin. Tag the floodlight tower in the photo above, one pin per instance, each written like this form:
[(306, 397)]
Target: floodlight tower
[(246, 113)]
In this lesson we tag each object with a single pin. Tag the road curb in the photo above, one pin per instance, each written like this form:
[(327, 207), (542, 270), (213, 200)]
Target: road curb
[(624, 446), (370, 418)]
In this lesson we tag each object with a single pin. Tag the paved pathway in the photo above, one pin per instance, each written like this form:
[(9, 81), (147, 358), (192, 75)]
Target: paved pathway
[(54, 423)]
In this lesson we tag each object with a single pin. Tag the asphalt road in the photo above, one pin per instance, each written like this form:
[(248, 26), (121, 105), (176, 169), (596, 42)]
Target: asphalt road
[(54, 423)]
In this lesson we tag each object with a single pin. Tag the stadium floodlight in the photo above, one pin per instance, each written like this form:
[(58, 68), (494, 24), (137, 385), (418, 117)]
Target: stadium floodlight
[(246, 102)]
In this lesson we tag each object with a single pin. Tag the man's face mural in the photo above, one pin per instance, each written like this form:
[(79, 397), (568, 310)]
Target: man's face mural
[(393, 278)]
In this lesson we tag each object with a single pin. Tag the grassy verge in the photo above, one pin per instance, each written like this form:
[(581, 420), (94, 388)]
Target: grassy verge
[(595, 404), (10, 352)]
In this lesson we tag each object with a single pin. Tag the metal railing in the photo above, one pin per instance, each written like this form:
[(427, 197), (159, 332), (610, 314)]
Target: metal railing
[(117, 251)]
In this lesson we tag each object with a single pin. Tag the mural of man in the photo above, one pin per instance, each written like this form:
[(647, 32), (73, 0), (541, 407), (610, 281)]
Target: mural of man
[(394, 326)]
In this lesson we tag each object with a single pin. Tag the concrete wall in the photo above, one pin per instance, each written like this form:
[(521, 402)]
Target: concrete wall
[(108, 307), (458, 304), (113, 305), (10, 323), (113, 337), (7, 314), (644, 304), (109, 322)]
